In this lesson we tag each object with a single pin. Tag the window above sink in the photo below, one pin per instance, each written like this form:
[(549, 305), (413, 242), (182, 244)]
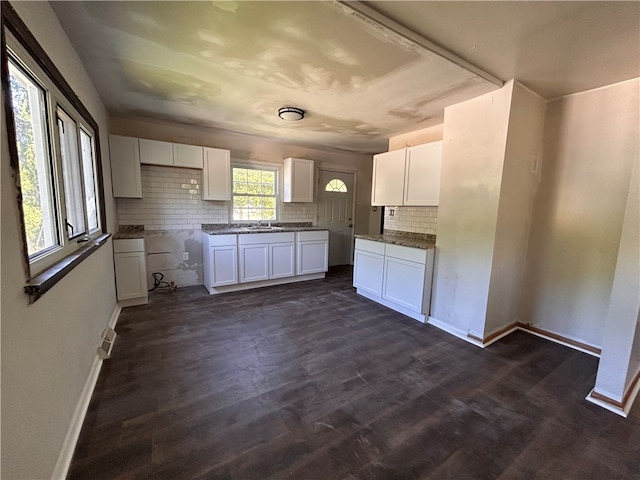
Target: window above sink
[(255, 191)]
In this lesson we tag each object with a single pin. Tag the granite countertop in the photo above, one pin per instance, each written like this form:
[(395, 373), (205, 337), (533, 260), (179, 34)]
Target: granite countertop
[(128, 232), (229, 229), (423, 241)]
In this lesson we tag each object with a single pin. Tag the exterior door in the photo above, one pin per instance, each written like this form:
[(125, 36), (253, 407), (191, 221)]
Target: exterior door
[(335, 213)]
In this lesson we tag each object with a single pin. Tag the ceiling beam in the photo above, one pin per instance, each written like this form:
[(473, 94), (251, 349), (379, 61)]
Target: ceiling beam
[(370, 14)]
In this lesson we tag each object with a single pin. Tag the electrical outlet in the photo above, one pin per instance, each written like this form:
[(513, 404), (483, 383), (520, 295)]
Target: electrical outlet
[(304, 210), (185, 256)]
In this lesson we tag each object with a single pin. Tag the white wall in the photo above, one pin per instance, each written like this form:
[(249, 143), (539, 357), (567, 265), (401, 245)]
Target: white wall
[(48, 348), (517, 191), (474, 142), (591, 141), (620, 358)]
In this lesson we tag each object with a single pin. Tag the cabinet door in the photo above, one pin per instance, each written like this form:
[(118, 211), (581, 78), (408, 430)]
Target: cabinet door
[(254, 265), (404, 283), (297, 185), (216, 175), (422, 175), (368, 271), (313, 257), (131, 275), (153, 152), (223, 266), (388, 178), (187, 156), (281, 260), (125, 166)]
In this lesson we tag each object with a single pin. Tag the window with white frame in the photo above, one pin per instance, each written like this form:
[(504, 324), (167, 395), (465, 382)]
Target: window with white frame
[(254, 193), (56, 164)]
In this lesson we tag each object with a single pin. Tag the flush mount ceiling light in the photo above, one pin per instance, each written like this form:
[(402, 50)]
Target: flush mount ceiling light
[(292, 114)]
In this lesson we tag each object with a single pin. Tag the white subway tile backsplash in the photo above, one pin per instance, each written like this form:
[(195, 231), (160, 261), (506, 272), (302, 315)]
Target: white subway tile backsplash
[(411, 219)]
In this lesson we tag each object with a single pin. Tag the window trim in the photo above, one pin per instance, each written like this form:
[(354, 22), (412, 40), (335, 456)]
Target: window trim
[(44, 280), (272, 167)]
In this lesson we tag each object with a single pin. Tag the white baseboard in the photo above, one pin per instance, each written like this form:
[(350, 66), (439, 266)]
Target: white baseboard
[(617, 405), (114, 316), (61, 469), (453, 331), (607, 405)]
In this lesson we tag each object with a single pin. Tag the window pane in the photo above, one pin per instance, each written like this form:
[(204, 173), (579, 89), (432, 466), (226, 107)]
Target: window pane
[(88, 169), (28, 104), (336, 185), (254, 194), (73, 191)]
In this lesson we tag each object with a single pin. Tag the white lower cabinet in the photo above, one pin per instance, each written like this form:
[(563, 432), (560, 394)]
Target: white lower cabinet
[(403, 283), (264, 256), (254, 262), (313, 252), (368, 266), (396, 276), (220, 261), (242, 261), (131, 271), (282, 260)]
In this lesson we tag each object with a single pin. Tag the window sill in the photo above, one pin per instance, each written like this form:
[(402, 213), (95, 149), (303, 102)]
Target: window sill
[(42, 283)]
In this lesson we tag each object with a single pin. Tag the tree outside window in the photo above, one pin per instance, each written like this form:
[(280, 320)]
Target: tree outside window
[(254, 194)]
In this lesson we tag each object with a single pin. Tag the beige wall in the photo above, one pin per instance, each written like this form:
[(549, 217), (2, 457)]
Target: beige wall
[(247, 147), (417, 137), (620, 359), (48, 348), (475, 136), (517, 191), (591, 141)]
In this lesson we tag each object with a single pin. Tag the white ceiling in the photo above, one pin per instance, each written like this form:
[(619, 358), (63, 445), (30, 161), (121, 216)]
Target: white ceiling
[(361, 77)]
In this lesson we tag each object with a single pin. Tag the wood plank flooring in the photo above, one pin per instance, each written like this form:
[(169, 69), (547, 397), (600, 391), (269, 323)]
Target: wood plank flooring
[(310, 381)]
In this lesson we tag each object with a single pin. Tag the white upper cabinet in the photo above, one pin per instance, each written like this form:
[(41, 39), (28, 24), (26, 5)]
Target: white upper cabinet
[(410, 176), (216, 175), (422, 175), (388, 178), (125, 166), (187, 156), (153, 152), (297, 184)]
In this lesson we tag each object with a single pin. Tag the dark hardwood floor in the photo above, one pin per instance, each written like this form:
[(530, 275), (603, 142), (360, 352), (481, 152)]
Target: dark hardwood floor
[(310, 381)]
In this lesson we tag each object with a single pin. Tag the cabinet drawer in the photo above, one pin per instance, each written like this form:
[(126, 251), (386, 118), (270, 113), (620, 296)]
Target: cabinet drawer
[(222, 240), (314, 235), (257, 238), (407, 253), (128, 245), (370, 246)]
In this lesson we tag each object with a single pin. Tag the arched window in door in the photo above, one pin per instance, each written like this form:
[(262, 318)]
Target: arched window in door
[(336, 185)]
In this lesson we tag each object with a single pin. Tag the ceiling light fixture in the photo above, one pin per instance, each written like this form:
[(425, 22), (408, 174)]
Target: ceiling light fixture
[(292, 114)]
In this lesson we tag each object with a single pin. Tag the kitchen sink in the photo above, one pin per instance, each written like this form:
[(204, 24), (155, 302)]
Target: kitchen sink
[(261, 228)]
